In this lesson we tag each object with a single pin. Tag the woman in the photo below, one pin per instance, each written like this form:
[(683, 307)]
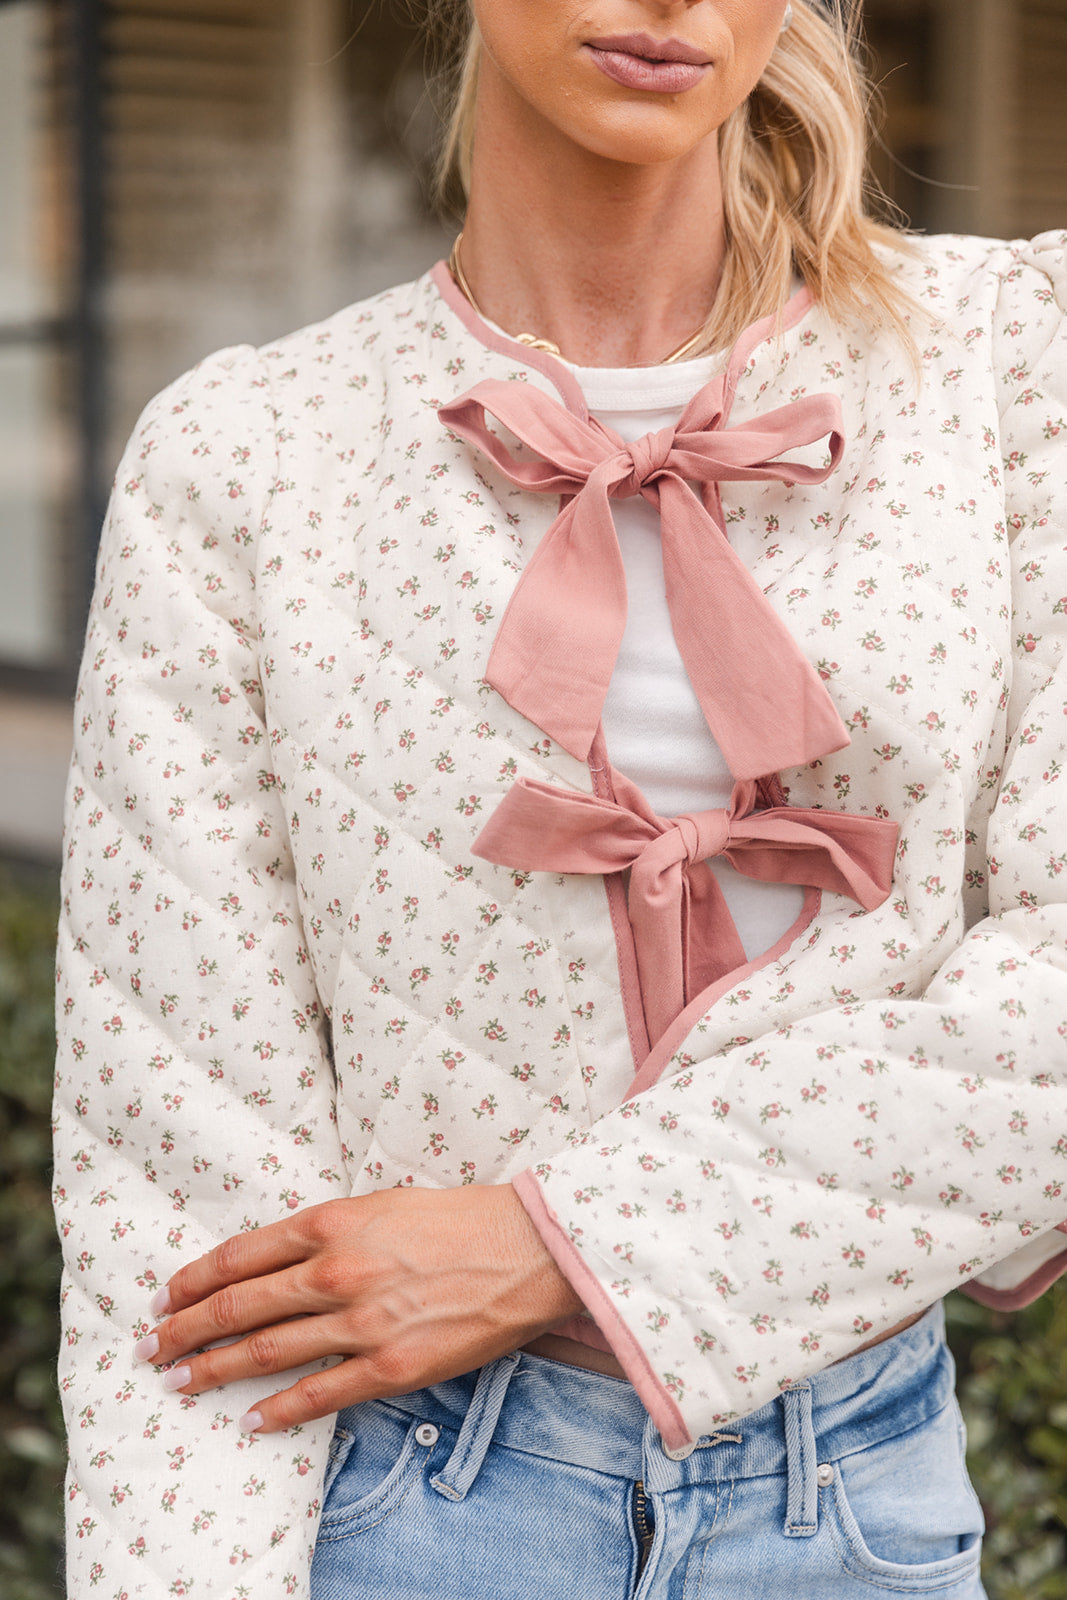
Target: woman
[(603, 1173)]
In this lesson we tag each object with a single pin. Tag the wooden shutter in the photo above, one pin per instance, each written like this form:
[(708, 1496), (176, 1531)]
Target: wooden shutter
[(1037, 119), (196, 111)]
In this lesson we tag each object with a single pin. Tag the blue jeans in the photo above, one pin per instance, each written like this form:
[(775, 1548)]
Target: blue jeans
[(536, 1480)]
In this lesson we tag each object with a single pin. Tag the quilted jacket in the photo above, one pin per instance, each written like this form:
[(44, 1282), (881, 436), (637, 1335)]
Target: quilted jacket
[(285, 976)]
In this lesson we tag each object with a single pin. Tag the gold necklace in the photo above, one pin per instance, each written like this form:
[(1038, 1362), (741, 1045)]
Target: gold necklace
[(455, 267)]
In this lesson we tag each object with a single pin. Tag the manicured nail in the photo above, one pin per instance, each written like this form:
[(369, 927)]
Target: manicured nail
[(177, 1377), (148, 1347), (160, 1302), (250, 1422)]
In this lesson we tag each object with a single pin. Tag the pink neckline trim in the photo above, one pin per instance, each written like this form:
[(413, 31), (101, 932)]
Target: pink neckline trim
[(559, 374), (651, 1068), (647, 1066)]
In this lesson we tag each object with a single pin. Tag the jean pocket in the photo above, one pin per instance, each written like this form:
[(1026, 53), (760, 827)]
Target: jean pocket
[(376, 1456), (903, 1515)]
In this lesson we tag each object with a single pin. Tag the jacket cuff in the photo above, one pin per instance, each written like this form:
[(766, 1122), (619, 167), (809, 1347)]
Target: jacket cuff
[(655, 1398), (1012, 1296)]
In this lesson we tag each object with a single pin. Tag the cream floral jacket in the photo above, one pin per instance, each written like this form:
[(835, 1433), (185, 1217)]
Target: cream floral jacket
[(285, 976)]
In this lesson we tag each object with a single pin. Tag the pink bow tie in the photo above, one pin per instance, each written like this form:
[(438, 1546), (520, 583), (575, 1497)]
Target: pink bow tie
[(555, 650), (684, 936)]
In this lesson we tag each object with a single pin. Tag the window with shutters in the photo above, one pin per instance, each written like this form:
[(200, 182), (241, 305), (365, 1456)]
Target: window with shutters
[(35, 421), (257, 175), (1036, 115), (975, 127)]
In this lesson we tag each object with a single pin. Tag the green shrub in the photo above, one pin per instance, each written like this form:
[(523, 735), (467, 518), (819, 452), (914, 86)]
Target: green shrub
[(31, 1452), (1013, 1392), (1013, 1369)]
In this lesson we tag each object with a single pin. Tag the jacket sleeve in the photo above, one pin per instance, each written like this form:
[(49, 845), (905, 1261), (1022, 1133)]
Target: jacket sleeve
[(194, 1088), (753, 1216)]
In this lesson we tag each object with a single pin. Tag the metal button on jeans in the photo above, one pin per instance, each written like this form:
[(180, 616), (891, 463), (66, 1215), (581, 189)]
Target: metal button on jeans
[(682, 1453), (824, 1476)]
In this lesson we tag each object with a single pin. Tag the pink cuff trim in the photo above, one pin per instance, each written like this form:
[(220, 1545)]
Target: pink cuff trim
[(1031, 1288), (656, 1400)]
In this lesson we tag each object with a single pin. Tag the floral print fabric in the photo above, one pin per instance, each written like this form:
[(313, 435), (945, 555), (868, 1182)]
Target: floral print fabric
[(283, 975)]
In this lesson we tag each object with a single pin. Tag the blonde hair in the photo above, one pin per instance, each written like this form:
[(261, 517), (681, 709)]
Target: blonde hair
[(797, 195)]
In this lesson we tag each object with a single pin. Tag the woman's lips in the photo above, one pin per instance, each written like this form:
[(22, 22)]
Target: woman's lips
[(639, 62)]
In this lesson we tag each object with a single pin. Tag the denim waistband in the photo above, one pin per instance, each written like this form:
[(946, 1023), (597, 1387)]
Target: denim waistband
[(546, 1408)]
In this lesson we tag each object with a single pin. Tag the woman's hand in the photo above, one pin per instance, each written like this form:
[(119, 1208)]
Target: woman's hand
[(411, 1287)]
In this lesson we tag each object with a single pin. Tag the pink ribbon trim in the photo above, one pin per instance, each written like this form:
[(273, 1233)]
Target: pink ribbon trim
[(684, 936), (555, 651)]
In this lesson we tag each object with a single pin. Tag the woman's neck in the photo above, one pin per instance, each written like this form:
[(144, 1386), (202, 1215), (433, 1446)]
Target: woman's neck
[(616, 264)]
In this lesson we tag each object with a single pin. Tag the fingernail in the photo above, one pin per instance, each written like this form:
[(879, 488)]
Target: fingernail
[(177, 1377), (250, 1422), (148, 1347), (160, 1302)]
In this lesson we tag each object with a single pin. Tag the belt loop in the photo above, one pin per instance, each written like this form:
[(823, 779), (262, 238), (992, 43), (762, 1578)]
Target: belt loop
[(476, 1434), (802, 1498)]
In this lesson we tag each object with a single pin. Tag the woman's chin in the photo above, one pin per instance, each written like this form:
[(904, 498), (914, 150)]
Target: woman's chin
[(642, 136)]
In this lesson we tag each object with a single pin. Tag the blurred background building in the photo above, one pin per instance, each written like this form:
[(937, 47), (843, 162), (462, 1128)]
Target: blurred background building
[(183, 174)]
